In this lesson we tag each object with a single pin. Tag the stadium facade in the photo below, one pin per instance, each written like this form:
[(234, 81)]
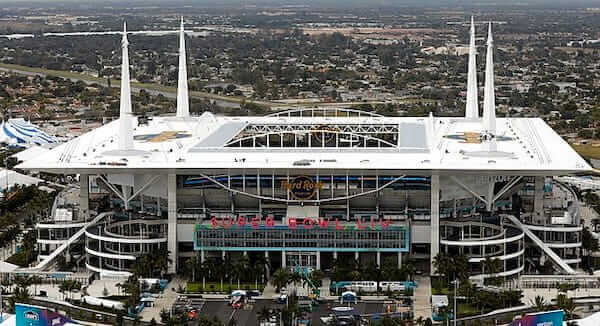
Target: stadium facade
[(307, 186)]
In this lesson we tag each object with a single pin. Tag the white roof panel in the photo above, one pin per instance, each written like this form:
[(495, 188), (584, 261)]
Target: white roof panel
[(523, 145)]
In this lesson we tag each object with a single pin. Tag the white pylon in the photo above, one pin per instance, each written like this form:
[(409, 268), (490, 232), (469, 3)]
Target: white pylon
[(472, 109), (125, 112), (183, 104), (489, 99)]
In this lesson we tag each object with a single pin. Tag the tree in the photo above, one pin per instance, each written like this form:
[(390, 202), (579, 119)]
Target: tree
[(589, 244), (281, 278), (240, 268), (132, 288), (442, 263), (491, 267), (567, 304), (191, 267), (539, 303)]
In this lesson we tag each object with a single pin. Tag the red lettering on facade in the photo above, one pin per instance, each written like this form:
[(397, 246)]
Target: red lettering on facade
[(323, 223), (269, 222), (254, 222), (307, 223), (385, 223), (213, 222), (292, 223), (372, 223), (359, 225), (227, 223), (241, 221), (337, 225)]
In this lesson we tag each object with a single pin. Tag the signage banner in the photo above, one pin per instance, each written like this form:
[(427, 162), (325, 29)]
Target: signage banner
[(548, 318), (302, 187), (27, 315), (298, 222)]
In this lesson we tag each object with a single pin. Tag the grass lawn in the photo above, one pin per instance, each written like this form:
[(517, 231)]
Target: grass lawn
[(22, 258), (442, 291), (196, 287), (587, 151), (466, 310)]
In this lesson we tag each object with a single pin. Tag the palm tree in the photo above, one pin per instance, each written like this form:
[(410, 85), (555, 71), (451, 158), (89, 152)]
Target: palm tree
[(443, 264), (131, 287), (203, 269), (589, 244), (258, 270), (409, 270), (567, 304), (295, 278), (241, 268), (539, 303), (492, 267), (161, 260), (281, 278), (191, 266)]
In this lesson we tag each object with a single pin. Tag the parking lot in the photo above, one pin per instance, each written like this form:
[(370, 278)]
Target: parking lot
[(247, 315)]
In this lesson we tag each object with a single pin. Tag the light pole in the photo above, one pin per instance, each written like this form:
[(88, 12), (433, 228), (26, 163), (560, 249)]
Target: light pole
[(455, 282)]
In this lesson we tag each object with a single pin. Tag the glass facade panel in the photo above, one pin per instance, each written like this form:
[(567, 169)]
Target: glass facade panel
[(392, 238)]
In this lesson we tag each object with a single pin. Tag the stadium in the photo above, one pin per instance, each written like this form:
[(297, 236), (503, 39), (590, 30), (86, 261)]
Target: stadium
[(308, 186)]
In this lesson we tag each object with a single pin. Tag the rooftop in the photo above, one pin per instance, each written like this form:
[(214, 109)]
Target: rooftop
[(286, 142)]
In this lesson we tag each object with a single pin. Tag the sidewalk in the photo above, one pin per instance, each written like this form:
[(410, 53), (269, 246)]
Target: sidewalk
[(164, 301), (423, 297)]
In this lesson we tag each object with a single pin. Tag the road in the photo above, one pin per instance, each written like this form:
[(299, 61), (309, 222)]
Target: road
[(153, 89), (171, 92)]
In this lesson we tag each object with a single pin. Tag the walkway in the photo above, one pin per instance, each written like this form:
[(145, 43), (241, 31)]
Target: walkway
[(164, 301), (549, 252), (46, 262), (422, 302)]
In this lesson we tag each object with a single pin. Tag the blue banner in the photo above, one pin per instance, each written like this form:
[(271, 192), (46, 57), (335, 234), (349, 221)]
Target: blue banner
[(27, 315)]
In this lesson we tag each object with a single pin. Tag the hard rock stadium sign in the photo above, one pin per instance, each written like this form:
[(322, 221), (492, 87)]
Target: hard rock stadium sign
[(302, 187)]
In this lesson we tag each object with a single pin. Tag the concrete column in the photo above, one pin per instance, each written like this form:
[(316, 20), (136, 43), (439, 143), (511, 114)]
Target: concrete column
[(356, 256), (379, 259), (283, 263), (435, 219), (490, 195), (172, 221), (318, 260), (202, 256), (335, 255), (538, 203), (84, 202), (399, 259), (158, 211), (268, 274), (127, 192)]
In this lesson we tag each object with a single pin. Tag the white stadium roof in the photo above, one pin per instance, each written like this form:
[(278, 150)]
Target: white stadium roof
[(350, 140), (522, 144)]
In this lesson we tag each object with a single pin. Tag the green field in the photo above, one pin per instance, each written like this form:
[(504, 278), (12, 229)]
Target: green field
[(588, 151)]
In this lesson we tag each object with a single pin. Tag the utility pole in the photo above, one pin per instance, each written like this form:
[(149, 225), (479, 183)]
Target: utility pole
[(455, 311)]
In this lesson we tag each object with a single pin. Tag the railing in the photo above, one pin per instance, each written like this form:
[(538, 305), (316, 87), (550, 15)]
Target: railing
[(324, 110)]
